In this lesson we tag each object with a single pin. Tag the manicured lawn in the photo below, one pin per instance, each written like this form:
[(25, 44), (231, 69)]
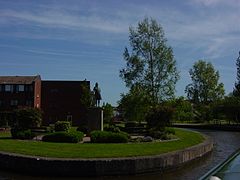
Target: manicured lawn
[(87, 150)]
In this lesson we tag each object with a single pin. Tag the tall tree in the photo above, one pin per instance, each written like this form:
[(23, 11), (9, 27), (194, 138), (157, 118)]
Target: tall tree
[(151, 63), (135, 104), (205, 87), (86, 96), (236, 91), (108, 113)]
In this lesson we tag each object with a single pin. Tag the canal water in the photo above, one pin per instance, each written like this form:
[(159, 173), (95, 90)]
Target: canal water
[(225, 144)]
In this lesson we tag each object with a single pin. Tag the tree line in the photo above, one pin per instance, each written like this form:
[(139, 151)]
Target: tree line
[(151, 74)]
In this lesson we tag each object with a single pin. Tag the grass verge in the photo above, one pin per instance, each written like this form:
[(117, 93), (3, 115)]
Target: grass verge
[(87, 150)]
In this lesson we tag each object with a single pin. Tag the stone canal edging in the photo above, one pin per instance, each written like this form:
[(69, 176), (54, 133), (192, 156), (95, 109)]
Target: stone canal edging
[(41, 166), (219, 127)]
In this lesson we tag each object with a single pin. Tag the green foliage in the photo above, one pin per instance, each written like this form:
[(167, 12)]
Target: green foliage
[(108, 137), (159, 117), (62, 126), (98, 150), (64, 137), (183, 110), (28, 118), (87, 99), (205, 87), (169, 130), (204, 112), (83, 128), (228, 108), (21, 133), (4, 122), (150, 63), (236, 91), (135, 104), (130, 124), (164, 134), (107, 113), (112, 128)]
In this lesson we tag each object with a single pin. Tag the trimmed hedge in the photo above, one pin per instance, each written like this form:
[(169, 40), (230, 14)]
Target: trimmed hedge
[(18, 133), (62, 126), (83, 129), (108, 137), (165, 134), (64, 137)]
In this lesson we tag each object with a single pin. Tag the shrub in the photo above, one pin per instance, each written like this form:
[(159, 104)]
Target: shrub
[(183, 110), (164, 134), (159, 117), (156, 134), (142, 139), (65, 137), (108, 137), (131, 124), (21, 133), (126, 134), (169, 130), (62, 126), (112, 128), (28, 118), (83, 129)]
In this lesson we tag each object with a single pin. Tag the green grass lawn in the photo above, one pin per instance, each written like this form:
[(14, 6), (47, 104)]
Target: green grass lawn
[(88, 150)]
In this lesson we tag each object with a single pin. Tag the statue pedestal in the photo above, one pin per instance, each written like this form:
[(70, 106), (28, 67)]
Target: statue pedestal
[(95, 119)]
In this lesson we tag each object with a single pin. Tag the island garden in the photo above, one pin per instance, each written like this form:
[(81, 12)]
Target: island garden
[(145, 114)]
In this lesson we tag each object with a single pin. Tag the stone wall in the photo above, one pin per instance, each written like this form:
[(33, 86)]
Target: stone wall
[(102, 167)]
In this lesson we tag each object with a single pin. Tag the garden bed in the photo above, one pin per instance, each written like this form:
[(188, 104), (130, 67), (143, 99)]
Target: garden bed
[(62, 159), (90, 150)]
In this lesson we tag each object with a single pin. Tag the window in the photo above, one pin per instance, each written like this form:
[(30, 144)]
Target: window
[(1, 87), (1, 103), (14, 102), (69, 118), (20, 88), (29, 88), (8, 88), (28, 102)]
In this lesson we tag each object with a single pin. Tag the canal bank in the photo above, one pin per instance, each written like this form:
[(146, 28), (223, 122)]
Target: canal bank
[(215, 127), (103, 166), (225, 143)]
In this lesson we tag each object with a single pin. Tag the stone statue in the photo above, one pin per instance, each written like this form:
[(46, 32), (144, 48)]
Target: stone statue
[(97, 94)]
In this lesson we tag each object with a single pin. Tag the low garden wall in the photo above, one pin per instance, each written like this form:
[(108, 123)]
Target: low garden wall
[(41, 166), (220, 127)]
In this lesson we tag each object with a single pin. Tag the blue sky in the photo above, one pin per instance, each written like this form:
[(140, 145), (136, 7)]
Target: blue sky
[(78, 39)]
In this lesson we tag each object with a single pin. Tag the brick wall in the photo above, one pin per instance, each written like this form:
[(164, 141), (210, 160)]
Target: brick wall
[(61, 101), (37, 92)]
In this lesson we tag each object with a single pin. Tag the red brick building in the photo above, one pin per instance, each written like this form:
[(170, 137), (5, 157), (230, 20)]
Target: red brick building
[(59, 100), (17, 92)]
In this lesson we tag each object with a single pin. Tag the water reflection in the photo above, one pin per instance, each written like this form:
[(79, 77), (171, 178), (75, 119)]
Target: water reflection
[(225, 144)]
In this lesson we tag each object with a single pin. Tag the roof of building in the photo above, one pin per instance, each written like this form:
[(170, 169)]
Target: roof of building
[(18, 79)]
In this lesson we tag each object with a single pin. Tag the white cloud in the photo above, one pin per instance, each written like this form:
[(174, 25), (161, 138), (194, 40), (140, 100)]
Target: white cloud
[(212, 3), (208, 2), (65, 19), (209, 31)]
